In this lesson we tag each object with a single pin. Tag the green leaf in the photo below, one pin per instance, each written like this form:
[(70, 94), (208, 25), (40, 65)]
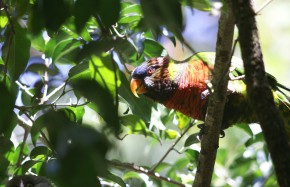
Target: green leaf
[(183, 120), (3, 21), (203, 5), (19, 150), (16, 49), (171, 134), (75, 114), (64, 47), (191, 139), (8, 118), (131, 175), (96, 92), (140, 106), (257, 138), (37, 42), (95, 47), (135, 124), (192, 155), (50, 14), (126, 50), (162, 166), (163, 13), (25, 167), (152, 48), (21, 7), (246, 128), (181, 163), (103, 71), (80, 152), (108, 11), (83, 10), (71, 29), (80, 71), (40, 150), (130, 14), (116, 179), (35, 130)]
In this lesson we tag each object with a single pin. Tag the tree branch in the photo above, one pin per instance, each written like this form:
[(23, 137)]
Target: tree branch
[(172, 147), (259, 91), (215, 110), (139, 169)]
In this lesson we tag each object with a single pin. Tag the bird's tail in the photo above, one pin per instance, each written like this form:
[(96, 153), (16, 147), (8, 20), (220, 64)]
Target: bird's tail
[(283, 103)]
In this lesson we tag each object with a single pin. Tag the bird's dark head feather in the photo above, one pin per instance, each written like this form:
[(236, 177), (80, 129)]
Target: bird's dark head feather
[(152, 79)]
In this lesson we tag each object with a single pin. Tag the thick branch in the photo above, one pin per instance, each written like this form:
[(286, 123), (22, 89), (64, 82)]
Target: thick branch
[(259, 92), (215, 110)]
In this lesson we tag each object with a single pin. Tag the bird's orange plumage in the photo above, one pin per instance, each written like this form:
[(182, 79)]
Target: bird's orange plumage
[(187, 98)]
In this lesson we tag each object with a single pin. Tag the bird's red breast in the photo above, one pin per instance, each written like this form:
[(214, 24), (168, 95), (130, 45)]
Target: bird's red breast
[(188, 96)]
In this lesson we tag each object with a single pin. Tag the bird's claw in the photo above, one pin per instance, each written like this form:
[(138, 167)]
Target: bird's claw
[(203, 131), (222, 134)]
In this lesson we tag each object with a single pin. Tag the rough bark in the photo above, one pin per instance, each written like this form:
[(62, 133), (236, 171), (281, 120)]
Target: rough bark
[(215, 110), (259, 92)]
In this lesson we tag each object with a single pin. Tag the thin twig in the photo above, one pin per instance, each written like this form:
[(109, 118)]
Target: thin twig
[(172, 147), (26, 132), (50, 105), (263, 6), (24, 88), (10, 38), (145, 171), (47, 62), (116, 82)]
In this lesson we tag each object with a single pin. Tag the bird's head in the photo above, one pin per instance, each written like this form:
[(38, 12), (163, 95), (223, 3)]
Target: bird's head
[(152, 78)]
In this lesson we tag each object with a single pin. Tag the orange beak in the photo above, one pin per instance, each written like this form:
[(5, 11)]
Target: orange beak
[(137, 87)]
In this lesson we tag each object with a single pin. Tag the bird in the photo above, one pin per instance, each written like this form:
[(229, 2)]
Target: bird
[(185, 87)]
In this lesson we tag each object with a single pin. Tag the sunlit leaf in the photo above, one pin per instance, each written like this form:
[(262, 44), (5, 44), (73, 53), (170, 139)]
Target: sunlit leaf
[(203, 5), (171, 134), (25, 167), (183, 120), (3, 21), (40, 150), (75, 114), (21, 150), (80, 71)]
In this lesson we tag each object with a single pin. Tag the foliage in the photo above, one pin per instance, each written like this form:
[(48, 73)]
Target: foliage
[(79, 53)]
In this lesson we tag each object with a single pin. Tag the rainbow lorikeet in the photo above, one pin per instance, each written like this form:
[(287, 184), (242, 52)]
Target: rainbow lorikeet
[(182, 85)]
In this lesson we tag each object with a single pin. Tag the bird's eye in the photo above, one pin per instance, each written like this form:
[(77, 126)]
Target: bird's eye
[(150, 70)]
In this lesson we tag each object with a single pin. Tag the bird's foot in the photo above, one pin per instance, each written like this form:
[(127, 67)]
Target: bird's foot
[(203, 131)]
